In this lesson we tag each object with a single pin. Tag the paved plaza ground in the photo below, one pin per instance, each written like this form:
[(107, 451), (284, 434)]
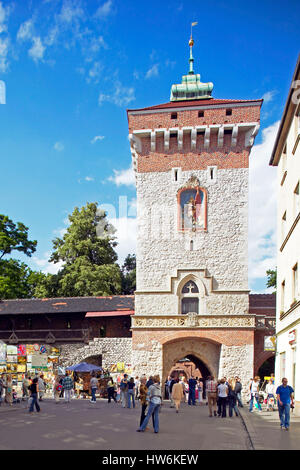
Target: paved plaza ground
[(84, 426)]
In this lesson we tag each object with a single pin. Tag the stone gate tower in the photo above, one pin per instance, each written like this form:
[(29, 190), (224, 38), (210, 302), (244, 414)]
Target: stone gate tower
[(190, 157)]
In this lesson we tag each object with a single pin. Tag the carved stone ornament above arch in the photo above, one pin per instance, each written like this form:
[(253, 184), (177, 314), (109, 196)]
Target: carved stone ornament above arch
[(192, 182)]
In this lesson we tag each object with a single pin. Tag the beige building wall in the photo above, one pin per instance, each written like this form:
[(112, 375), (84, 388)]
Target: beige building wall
[(286, 155)]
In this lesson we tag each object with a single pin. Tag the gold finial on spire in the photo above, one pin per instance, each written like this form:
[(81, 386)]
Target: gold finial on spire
[(191, 41)]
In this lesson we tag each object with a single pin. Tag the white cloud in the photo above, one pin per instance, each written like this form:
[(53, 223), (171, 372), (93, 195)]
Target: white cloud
[(95, 73), (262, 206), (268, 96), (104, 10), (126, 236), (25, 31), (37, 49), (70, 12), (4, 13), (97, 138), (59, 146), (121, 96), (89, 178), (123, 177), (45, 266), (152, 72), (4, 43)]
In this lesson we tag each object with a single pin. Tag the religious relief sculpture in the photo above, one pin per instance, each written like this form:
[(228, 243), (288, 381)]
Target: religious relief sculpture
[(192, 209)]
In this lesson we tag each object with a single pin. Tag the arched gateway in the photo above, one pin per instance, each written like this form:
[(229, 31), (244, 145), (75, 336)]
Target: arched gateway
[(205, 355)]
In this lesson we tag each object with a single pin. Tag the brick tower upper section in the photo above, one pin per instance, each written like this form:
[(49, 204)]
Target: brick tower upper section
[(193, 134)]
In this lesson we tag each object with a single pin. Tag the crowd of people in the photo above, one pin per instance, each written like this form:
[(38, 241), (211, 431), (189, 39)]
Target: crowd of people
[(220, 395)]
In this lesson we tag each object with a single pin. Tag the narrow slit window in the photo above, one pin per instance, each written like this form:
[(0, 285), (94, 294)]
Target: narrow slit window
[(176, 175), (212, 173), (191, 245)]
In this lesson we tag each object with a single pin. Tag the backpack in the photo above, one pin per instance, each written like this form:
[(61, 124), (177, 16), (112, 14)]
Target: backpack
[(58, 388), (123, 385)]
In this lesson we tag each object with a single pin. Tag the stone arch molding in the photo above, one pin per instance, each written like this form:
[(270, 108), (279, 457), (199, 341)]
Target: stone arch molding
[(207, 351), (197, 278)]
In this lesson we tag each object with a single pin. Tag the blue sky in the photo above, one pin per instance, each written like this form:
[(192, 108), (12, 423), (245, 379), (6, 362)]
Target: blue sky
[(71, 68)]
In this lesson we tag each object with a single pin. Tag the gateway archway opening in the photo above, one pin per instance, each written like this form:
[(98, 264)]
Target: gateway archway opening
[(94, 360), (267, 368), (188, 366)]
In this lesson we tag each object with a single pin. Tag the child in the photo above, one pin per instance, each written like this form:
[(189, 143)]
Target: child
[(15, 396)]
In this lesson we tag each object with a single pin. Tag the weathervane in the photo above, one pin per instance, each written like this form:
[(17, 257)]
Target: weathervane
[(191, 43)]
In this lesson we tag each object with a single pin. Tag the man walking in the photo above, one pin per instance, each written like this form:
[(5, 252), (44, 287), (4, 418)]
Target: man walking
[(211, 389), (124, 390), (238, 389), (285, 398), (67, 384), (94, 386), (41, 387), (192, 391)]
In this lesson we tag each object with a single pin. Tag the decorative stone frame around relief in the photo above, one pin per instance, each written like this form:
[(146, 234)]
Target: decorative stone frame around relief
[(192, 183)]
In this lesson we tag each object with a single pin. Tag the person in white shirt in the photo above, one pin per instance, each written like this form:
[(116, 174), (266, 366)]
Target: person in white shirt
[(222, 391), (254, 393), (41, 387), (94, 386), (270, 390)]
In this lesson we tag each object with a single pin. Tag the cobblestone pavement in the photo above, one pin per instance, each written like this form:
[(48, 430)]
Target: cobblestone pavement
[(86, 426)]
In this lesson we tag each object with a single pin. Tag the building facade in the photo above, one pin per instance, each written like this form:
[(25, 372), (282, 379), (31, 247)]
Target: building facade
[(286, 156), (191, 157)]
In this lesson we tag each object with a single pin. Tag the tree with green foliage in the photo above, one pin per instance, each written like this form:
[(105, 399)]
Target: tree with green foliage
[(17, 280), (14, 237), (272, 278), (88, 256), (129, 275)]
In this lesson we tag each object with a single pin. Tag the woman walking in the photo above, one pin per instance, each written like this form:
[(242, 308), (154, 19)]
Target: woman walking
[(200, 391), (8, 390), (254, 392), (232, 398), (57, 389), (155, 400), (34, 390), (177, 394), (131, 391)]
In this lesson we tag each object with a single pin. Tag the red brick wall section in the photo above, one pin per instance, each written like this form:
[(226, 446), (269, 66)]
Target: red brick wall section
[(227, 337), (200, 157), (154, 120)]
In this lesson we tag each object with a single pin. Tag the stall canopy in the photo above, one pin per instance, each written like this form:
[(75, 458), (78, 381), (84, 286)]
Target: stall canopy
[(84, 367)]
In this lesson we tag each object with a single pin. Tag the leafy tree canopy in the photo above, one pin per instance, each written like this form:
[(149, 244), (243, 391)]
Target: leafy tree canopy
[(87, 251), (14, 237), (272, 278)]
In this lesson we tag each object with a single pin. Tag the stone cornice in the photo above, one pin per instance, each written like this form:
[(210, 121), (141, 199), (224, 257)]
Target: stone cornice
[(230, 292), (193, 321)]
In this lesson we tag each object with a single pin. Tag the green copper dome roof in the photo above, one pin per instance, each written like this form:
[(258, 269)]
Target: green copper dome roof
[(191, 88)]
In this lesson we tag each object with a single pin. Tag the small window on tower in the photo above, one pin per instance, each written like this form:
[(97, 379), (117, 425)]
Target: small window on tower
[(173, 115), (176, 175), (200, 113), (228, 112)]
